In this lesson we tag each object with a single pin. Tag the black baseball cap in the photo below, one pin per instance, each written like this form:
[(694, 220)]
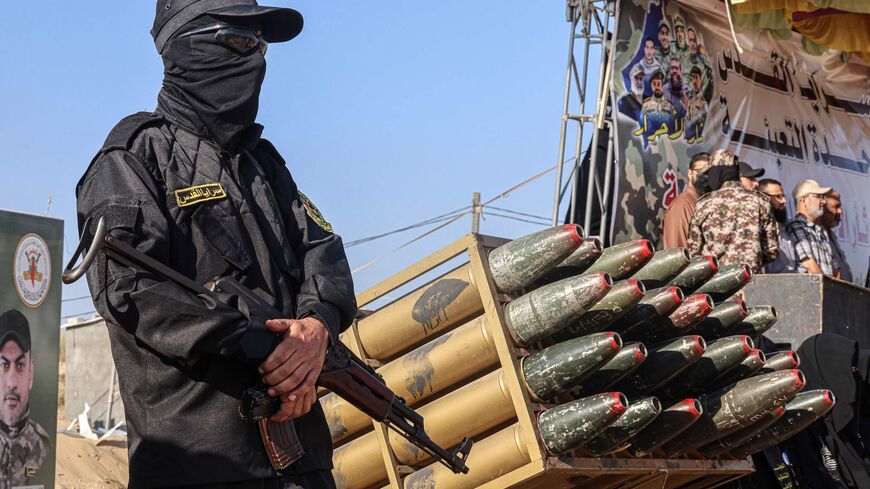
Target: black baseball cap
[(14, 326), (278, 24), (749, 172)]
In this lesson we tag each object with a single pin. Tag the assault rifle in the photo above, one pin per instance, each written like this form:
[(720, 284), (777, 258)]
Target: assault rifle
[(343, 372)]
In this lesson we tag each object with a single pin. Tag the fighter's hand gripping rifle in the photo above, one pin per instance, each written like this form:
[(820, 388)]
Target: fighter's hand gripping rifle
[(343, 372)]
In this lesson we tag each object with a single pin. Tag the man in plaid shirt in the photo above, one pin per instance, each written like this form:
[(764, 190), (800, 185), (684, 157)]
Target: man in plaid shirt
[(813, 246)]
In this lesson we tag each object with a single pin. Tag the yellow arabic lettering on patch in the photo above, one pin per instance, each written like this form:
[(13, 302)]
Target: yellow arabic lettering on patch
[(200, 193)]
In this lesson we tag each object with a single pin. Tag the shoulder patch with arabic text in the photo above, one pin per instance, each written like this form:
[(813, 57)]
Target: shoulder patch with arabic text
[(200, 193)]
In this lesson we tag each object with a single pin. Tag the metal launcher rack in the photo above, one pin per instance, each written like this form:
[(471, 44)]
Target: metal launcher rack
[(509, 454)]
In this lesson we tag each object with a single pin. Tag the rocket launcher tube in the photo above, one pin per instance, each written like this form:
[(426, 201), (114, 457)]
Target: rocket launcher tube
[(496, 455), (433, 367), (472, 409)]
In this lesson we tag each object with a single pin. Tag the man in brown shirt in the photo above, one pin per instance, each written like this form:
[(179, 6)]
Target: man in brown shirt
[(678, 216)]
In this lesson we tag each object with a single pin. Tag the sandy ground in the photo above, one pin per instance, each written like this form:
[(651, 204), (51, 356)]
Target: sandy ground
[(81, 464)]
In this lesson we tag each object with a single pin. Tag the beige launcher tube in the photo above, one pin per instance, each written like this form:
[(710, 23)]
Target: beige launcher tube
[(490, 458), (416, 376), (446, 301), (473, 409)]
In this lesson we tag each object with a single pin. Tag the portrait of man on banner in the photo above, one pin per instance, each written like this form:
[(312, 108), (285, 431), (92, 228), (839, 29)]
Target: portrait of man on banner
[(23, 442), (669, 81)]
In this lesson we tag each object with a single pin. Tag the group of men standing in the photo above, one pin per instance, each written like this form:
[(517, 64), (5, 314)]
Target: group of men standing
[(726, 212), (671, 81)]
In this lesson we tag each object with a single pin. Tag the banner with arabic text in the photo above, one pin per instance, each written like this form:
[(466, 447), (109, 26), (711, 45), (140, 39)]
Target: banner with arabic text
[(681, 86)]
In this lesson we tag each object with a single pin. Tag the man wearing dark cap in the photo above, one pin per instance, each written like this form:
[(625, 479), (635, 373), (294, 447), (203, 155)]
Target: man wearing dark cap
[(731, 223), (23, 443), (194, 186), (749, 176)]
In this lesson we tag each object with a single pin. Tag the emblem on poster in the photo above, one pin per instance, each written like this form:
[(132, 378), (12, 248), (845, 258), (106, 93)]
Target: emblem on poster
[(32, 268)]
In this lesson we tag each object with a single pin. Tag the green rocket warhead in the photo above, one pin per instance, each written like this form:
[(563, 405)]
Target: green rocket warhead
[(666, 360), (748, 367), (784, 360), (759, 320), (735, 407), (522, 261), (727, 282), (802, 411), (655, 305), (584, 256), (549, 309), (718, 323), (624, 363), (692, 311), (560, 367), (622, 260), (721, 356), (639, 414), (569, 426), (664, 266), (576, 263), (741, 436), (699, 270), (667, 426), (621, 298)]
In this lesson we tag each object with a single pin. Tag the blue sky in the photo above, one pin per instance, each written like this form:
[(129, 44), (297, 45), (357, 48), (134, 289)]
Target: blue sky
[(388, 112)]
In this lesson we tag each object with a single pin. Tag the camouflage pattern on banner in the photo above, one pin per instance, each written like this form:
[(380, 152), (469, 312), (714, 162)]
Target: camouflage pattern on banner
[(680, 87)]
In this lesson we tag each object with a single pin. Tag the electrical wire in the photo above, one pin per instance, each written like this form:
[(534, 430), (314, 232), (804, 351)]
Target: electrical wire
[(547, 223), (509, 211), (454, 219), (433, 220)]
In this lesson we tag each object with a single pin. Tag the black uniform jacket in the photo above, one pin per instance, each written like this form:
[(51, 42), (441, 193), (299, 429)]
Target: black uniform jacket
[(182, 359)]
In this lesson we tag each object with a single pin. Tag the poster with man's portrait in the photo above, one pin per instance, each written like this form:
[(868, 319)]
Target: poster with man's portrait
[(30, 295)]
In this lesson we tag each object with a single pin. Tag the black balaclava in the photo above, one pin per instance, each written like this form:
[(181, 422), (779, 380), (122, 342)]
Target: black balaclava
[(210, 88), (702, 183), (721, 174)]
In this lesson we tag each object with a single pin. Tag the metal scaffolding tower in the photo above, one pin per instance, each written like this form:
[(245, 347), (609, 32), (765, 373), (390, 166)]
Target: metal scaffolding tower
[(592, 21)]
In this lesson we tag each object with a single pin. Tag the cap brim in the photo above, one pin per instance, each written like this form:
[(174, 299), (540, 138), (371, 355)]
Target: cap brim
[(278, 24), (754, 173), (12, 335)]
